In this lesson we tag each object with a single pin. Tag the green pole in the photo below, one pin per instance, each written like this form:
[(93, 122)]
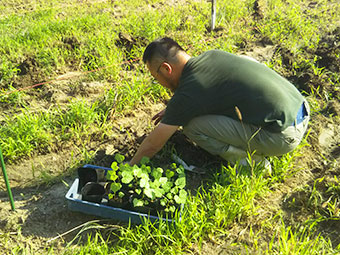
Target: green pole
[(6, 180)]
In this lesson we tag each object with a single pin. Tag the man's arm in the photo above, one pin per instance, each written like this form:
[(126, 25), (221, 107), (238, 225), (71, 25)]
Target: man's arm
[(154, 142)]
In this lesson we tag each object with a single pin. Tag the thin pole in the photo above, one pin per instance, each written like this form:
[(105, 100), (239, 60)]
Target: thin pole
[(6, 181), (213, 14)]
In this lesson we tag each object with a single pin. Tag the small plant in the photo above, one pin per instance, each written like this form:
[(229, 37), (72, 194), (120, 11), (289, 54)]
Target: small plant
[(145, 188)]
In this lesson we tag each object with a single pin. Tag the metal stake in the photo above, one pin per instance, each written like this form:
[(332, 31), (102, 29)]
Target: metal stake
[(9, 192), (213, 14)]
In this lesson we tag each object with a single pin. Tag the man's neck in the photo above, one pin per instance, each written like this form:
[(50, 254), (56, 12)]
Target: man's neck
[(183, 59)]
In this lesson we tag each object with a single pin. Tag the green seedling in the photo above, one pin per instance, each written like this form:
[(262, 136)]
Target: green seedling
[(147, 185)]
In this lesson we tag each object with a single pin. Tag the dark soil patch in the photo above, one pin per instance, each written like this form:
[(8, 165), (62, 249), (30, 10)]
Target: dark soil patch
[(328, 51), (71, 42), (128, 43), (258, 9), (327, 60), (29, 73)]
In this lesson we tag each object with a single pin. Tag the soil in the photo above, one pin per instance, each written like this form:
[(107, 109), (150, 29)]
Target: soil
[(41, 209)]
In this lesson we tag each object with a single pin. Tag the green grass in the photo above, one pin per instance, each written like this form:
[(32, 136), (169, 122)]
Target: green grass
[(208, 215), (229, 198), (28, 132), (300, 241), (55, 37)]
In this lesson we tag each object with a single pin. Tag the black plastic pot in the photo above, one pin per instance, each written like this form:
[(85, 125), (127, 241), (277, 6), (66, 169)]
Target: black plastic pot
[(90, 174), (93, 192)]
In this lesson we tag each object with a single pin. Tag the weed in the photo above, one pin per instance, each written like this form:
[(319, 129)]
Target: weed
[(12, 98), (303, 240), (24, 133)]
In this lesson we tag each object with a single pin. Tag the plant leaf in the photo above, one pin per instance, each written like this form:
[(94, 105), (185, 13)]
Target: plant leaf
[(137, 202), (163, 181), (119, 158), (115, 186), (158, 192), (167, 186), (144, 176), (169, 173), (182, 197), (155, 184), (181, 182), (126, 168), (174, 190), (146, 169), (111, 175), (180, 170), (163, 202), (137, 172), (127, 177), (145, 160), (114, 166), (144, 183), (157, 172), (149, 193)]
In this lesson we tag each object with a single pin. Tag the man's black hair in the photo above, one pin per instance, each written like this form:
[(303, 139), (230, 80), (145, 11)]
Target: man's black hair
[(162, 47)]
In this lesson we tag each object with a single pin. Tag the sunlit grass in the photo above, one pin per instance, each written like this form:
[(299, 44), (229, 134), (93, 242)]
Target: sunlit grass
[(228, 198), (62, 36)]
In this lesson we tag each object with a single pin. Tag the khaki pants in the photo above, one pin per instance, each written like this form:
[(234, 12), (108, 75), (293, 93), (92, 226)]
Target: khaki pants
[(231, 139)]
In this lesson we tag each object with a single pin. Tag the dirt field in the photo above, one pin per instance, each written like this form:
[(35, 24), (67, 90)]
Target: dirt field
[(41, 211)]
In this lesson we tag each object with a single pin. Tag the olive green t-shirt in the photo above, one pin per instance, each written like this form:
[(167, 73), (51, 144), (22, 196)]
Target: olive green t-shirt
[(216, 82)]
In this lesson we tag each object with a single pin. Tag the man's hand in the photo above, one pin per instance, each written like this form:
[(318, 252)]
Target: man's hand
[(154, 142), (158, 117)]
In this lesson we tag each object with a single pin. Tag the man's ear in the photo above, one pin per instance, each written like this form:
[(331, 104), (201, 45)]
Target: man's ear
[(166, 66)]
